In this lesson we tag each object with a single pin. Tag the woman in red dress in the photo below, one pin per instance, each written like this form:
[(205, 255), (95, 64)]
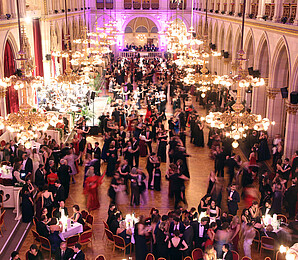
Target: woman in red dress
[(211, 234), (91, 184)]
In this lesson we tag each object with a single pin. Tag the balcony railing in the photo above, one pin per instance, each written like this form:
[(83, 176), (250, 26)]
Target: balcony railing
[(127, 5), (145, 54)]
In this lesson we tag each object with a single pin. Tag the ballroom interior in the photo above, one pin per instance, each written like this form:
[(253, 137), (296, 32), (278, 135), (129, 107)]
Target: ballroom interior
[(57, 59)]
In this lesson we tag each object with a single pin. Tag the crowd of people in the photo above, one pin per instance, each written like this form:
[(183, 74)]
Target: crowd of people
[(146, 47), (138, 126)]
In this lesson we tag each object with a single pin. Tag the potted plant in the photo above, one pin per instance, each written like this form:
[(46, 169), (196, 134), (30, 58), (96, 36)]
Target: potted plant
[(265, 17), (231, 13), (68, 9), (62, 10), (216, 11), (211, 11), (239, 14), (222, 12), (251, 16), (56, 11), (76, 9), (284, 20)]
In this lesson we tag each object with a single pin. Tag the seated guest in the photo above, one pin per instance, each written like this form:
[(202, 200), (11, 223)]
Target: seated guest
[(210, 253), (176, 225), (269, 232), (115, 223), (213, 210), (205, 201), (62, 210), (15, 256), (41, 227), (123, 232), (111, 213), (77, 216), (63, 252), (16, 174), (78, 253), (227, 254), (34, 253), (267, 210), (254, 211)]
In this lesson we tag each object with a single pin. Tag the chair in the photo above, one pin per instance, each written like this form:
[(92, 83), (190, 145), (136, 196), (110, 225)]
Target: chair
[(35, 236), (120, 243), (71, 241), (46, 245), (280, 256), (257, 239), (84, 213), (110, 236), (89, 222), (197, 254), (2, 222), (86, 238), (35, 221), (149, 256), (246, 258), (100, 257), (282, 218), (267, 243), (235, 255), (27, 255), (186, 258), (106, 226)]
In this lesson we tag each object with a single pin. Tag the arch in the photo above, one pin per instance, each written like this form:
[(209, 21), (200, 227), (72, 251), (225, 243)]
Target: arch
[(154, 29), (263, 40), (142, 29), (237, 43), (150, 17), (221, 38), (249, 49), (228, 46), (210, 32), (128, 29), (294, 78), (13, 43), (215, 34)]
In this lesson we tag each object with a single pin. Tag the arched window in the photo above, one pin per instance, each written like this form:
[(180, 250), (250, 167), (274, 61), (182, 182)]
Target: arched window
[(128, 29), (141, 29), (154, 29)]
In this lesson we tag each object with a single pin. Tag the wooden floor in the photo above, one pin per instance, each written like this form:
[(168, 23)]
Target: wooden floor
[(200, 166)]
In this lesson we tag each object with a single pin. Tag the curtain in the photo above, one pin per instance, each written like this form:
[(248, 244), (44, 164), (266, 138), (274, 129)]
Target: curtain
[(12, 99), (37, 47)]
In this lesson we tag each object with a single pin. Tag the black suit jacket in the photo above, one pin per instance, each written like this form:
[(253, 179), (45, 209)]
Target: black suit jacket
[(233, 204), (228, 256), (60, 194), (63, 174), (39, 178), (271, 212), (135, 146), (68, 254), (188, 236), (42, 229), (29, 166), (181, 228), (97, 153), (79, 256), (150, 136), (57, 213)]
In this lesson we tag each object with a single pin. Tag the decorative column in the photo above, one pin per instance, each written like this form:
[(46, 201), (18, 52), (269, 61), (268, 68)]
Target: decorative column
[(237, 7), (278, 11), (296, 18), (261, 9), (3, 112), (291, 140), (258, 104), (221, 6), (274, 109), (247, 8)]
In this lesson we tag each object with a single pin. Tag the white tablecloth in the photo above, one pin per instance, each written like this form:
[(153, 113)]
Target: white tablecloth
[(75, 229)]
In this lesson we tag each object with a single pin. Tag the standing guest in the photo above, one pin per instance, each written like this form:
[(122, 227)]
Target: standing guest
[(278, 193), (212, 180), (219, 161), (204, 203), (63, 252), (89, 150), (202, 232), (235, 229), (47, 200), (51, 178), (161, 240), (176, 246), (78, 253), (135, 151), (222, 237), (249, 234), (83, 130), (231, 164), (15, 256), (227, 254), (211, 234), (285, 171), (36, 161), (64, 176), (263, 151), (34, 253), (176, 225), (27, 164), (150, 168), (275, 151), (59, 193), (91, 185), (295, 164), (162, 144), (40, 177), (27, 205), (112, 157), (97, 151), (291, 198), (71, 159), (233, 200), (148, 140), (140, 233)]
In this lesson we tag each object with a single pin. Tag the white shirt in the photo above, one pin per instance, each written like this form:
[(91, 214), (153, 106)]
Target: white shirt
[(201, 230), (231, 193), (224, 255), (24, 164), (75, 255)]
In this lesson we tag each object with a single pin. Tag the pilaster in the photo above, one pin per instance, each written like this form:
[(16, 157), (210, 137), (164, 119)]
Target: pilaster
[(278, 11), (261, 9)]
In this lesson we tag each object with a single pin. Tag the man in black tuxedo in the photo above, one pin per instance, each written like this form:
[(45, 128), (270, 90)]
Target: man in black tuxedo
[(27, 164), (188, 237), (78, 253), (202, 232), (176, 225), (286, 170), (64, 176), (61, 210), (135, 151), (295, 164), (227, 254), (115, 223), (59, 193), (267, 210), (231, 164), (116, 115), (40, 177), (291, 198), (148, 136), (41, 227), (233, 200), (13, 151), (195, 226), (64, 151), (63, 252), (97, 151)]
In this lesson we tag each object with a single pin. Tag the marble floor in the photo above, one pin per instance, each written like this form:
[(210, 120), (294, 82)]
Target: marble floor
[(200, 166)]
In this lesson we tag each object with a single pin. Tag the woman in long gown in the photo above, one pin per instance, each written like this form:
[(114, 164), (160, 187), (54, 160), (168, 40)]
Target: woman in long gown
[(36, 161), (112, 156), (263, 151), (253, 157), (140, 239), (211, 234), (161, 243), (162, 145), (199, 134), (176, 245), (91, 185), (222, 236), (235, 229), (278, 192), (107, 140), (142, 145), (27, 205)]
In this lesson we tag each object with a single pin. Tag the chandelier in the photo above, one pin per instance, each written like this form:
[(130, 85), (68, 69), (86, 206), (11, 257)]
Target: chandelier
[(28, 120), (237, 122), (141, 37)]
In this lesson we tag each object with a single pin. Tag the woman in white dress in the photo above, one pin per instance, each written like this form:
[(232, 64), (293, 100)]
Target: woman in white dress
[(36, 161)]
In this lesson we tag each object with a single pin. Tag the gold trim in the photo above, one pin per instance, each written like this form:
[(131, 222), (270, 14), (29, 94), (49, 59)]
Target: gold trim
[(291, 108), (272, 92)]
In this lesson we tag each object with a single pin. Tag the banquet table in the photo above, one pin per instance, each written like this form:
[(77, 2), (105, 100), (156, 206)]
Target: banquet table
[(75, 228)]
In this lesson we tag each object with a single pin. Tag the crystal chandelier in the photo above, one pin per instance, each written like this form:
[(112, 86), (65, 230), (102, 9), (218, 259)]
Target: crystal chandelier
[(237, 122)]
